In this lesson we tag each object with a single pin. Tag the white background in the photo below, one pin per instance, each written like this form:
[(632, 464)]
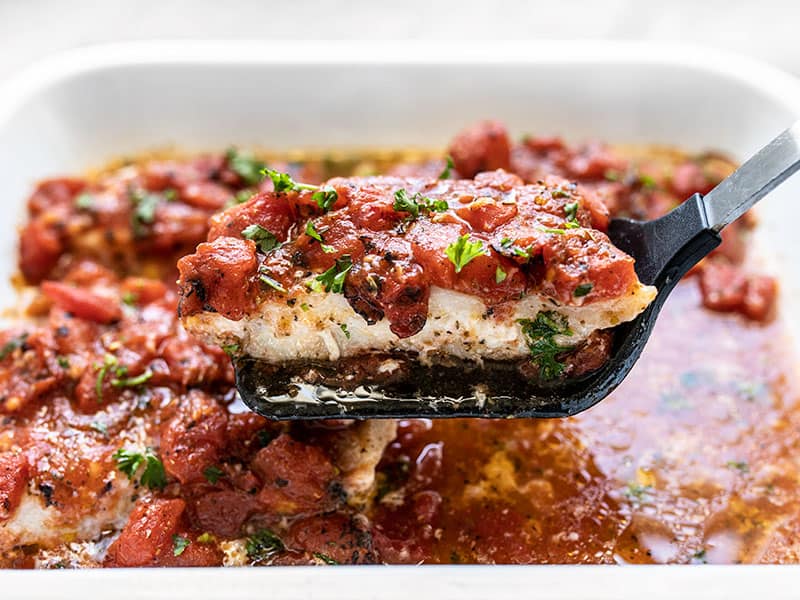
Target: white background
[(766, 29)]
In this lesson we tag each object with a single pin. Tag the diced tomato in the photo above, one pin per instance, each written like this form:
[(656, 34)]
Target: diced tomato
[(40, 247), (143, 290), (726, 288), (220, 275), (205, 194), (82, 303), (271, 211), (146, 540), (192, 440), (482, 147), (13, 480), (297, 478), (338, 537), (224, 512)]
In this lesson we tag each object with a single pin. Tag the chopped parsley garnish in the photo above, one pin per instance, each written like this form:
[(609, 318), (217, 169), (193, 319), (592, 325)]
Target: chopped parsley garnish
[(637, 492), (699, 558), (312, 232), (153, 475), (332, 280), (212, 474), (325, 198), (507, 244), (445, 174), (500, 275), (539, 334), (241, 197), (110, 363), (560, 193), (612, 175), (266, 279), (346, 331), (245, 166), (647, 181), (583, 290), (129, 299), (263, 238), (13, 344), (325, 558), (262, 545), (462, 251), (417, 203), (231, 349), (571, 212), (132, 381), (283, 182), (552, 230), (179, 544), (304, 307), (739, 465), (206, 538), (99, 427), (144, 210), (63, 362), (84, 201)]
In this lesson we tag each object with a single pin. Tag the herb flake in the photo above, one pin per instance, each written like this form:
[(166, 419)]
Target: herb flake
[(179, 544), (463, 251), (445, 174), (540, 336), (333, 279), (264, 239)]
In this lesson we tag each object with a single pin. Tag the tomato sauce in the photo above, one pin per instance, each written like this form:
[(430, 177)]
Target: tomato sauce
[(122, 442)]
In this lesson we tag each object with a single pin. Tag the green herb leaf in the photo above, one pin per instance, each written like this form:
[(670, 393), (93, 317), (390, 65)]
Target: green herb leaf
[(462, 251), (552, 230), (283, 182), (560, 193), (179, 544), (213, 473), (346, 331), (99, 427), (263, 238), (333, 279), (499, 275), (129, 462), (539, 334), (262, 545), (231, 349), (109, 362), (325, 198), (647, 181), (144, 210), (583, 289), (325, 558), (245, 166), (312, 232), (739, 465), (13, 344), (63, 362), (84, 201), (445, 174), (132, 381), (612, 175), (571, 212), (266, 279), (417, 203), (206, 538), (154, 475), (637, 492), (240, 197), (129, 299)]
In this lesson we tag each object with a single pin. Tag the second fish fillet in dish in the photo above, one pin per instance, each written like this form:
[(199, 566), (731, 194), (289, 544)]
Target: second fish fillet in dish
[(365, 280)]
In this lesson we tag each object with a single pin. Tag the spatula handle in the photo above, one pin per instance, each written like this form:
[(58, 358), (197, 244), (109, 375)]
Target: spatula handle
[(757, 177)]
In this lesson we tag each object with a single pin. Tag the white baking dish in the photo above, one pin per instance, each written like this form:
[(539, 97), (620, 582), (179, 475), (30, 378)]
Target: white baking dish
[(81, 108)]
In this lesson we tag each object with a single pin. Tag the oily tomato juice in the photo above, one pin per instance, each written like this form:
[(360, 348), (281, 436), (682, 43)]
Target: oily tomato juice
[(122, 441)]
